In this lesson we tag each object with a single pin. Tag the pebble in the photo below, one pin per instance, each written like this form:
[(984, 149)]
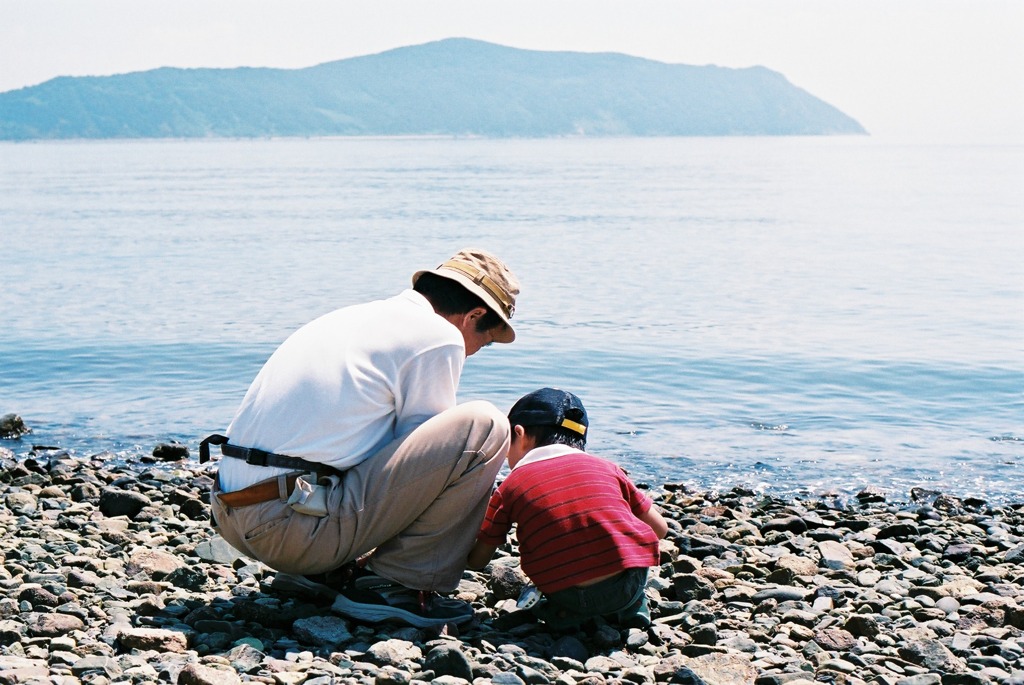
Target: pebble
[(111, 574)]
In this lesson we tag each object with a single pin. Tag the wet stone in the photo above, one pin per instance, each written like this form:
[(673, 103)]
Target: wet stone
[(170, 451), (12, 427), (871, 495)]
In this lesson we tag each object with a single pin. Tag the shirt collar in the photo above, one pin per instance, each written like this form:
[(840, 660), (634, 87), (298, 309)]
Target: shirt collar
[(416, 298), (546, 452)]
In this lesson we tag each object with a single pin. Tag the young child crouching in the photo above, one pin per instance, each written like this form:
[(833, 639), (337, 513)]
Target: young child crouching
[(586, 534)]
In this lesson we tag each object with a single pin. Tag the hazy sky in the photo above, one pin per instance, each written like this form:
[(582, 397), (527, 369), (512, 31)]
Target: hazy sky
[(915, 69)]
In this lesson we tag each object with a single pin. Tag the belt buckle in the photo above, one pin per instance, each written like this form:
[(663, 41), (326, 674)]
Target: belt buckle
[(255, 457)]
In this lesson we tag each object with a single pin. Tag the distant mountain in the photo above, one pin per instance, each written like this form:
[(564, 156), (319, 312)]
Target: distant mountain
[(450, 87)]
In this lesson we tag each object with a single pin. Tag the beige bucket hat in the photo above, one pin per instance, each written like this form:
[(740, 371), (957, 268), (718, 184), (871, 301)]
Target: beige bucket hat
[(487, 277)]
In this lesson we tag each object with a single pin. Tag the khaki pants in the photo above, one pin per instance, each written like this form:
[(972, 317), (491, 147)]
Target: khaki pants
[(418, 502)]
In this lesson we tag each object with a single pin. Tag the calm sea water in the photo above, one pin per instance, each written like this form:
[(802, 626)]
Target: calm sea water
[(794, 315)]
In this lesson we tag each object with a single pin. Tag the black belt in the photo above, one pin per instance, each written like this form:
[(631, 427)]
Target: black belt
[(257, 457)]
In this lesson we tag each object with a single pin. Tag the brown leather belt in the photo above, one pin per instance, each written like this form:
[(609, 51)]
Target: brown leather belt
[(264, 491)]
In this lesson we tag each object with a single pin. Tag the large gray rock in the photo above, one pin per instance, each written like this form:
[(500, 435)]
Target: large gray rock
[(328, 631), (507, 579), (1015, 555), (116, 502), (933, 655), (157, 639), (218, 551), (393, 652), (835, 555), (52, 625), (22, 503), (199, 674), (12, 427), (155, 563), (170, 451), (448, 660)]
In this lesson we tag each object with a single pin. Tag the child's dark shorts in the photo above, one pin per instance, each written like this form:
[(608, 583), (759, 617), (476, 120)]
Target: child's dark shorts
[(619, 599)]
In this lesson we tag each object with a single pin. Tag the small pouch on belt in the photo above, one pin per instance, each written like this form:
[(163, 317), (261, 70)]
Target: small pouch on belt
[(310, 495)]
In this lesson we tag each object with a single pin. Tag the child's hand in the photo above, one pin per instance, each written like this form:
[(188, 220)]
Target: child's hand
[(656, 521), (480, 555)]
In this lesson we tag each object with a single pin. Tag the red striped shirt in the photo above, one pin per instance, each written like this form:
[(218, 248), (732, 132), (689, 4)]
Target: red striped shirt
[(575, 516)]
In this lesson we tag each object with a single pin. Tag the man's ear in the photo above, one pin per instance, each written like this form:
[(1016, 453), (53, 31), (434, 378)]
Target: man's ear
[(476, 313), (467, 320)]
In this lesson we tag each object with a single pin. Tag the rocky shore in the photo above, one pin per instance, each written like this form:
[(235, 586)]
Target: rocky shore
[(111, 574)]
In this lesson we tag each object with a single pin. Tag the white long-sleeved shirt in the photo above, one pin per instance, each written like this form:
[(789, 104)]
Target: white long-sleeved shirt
[(346, 384)]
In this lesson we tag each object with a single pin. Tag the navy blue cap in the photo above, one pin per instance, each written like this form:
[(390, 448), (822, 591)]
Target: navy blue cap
[(550, 407)]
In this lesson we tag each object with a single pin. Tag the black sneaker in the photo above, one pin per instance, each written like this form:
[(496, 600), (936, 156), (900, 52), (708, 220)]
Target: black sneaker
[(326, 585), (311, 585), (374, 599)]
